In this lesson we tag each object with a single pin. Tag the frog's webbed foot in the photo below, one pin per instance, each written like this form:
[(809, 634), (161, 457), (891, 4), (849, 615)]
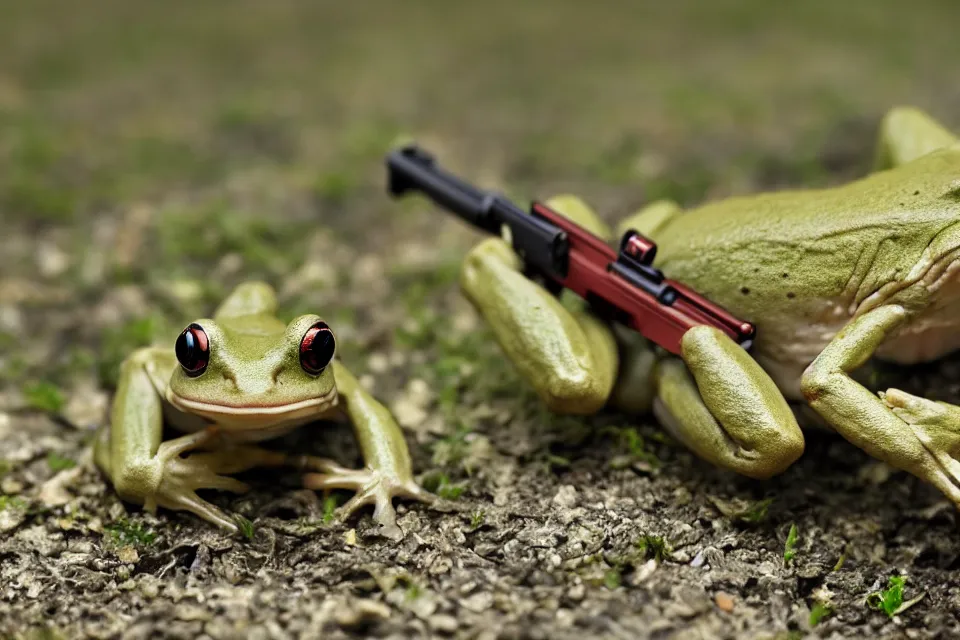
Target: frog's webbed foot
[(935, 424), (907, 432), (181, 478), (373, 486)]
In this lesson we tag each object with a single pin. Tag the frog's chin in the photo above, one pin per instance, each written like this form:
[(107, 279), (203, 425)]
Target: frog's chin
[(257, 417)]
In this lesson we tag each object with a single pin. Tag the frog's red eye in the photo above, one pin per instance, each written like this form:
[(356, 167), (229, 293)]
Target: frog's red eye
[(193, 350), (317, 348)]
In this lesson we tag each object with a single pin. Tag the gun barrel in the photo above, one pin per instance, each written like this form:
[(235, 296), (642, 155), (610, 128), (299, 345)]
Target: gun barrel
[(541, 244), (412, 169)]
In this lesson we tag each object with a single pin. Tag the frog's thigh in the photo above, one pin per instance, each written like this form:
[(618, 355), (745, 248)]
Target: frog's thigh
[(906, 134), (724, 407), (567, 355), (650, 219), (902, 432)]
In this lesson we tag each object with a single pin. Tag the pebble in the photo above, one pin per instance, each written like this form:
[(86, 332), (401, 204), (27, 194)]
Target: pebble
[(11, 318), (566, 496), (576, 592), (368, 382), (128, 554), (51, 261), (478, 602), (419, 392), (408, 413), (443, 623), (724, 601), (378, 362), (565, 618), (361, 612)]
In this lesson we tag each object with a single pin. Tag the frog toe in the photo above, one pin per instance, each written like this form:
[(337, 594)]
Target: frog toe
[(190, 501), (913, 409), (373, 488), (936, 425)]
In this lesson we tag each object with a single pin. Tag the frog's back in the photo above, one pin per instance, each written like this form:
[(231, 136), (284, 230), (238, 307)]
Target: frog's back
[(798, 262)]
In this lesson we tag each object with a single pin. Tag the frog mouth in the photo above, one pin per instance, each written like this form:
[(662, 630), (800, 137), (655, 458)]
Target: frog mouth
[(286, 411)]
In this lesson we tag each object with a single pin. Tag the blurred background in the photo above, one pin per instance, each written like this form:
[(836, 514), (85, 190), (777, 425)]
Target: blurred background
[(153, 155), (181, 147)]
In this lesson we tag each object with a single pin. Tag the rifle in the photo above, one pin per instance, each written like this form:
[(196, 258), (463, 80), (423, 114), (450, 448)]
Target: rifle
[(561, 254)]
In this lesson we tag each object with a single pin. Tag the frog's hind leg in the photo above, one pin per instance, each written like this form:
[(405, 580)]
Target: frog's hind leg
[(910, 433), (248, 298), (906, 134), (650, 219), (557, 345), (725, 408)]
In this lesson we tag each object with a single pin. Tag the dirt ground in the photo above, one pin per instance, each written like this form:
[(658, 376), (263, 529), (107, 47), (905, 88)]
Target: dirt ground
[(154, 155)]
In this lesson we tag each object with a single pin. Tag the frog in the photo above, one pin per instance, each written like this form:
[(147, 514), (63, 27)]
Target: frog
[(835, 280), (230, 382)]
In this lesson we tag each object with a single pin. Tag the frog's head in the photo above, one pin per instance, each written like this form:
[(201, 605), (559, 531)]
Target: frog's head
[(249, 374)]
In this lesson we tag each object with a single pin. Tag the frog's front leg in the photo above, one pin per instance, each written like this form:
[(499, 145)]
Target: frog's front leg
[(906, 432), (145, 470), (388, 472), (724, 407), (568, 355)]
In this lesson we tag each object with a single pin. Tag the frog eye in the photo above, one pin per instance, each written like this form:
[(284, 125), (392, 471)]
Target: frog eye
[(317, 348), (193, 350)]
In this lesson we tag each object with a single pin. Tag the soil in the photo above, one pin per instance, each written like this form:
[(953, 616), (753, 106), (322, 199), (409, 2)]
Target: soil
[(152, 156)]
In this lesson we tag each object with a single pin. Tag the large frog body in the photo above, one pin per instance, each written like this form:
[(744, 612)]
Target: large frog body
[(239, 377), (802, 264), (831, 278)]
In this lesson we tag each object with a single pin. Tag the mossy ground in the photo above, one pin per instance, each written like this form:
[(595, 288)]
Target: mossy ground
[(153, 155)]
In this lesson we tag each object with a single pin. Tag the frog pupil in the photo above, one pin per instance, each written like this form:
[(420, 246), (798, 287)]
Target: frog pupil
[(317, 348)]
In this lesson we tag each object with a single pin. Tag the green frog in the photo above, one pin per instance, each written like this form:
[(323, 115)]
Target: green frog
[(233, 380), (832, 278)]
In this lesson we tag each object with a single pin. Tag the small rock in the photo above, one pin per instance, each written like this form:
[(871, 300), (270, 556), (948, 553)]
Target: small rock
[(643, 572), (350, 537), (566, 496), (378, 362), (724, 601), (189, 613), (51, 261), (361, 612), (565, 618), (478, 602), (407, 413), (368, 382), (128, 554), (87, 407), (419, 392), (698, 560), (443, 623), (11, 319), (53, 492)]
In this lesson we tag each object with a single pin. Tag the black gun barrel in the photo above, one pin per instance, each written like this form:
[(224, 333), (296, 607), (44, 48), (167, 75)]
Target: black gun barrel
[(411, 168), (541, 244)]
